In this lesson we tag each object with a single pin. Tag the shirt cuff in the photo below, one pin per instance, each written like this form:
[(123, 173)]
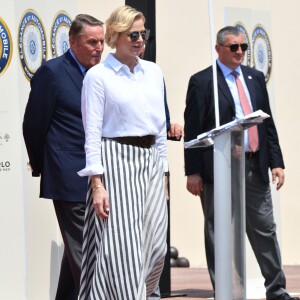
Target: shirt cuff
[(89, 171), (165, 165)]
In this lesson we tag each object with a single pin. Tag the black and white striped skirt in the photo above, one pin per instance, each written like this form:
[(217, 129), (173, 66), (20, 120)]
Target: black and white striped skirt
[(123, 256)]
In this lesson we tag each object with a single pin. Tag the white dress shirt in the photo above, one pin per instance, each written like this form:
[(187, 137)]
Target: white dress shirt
[(116, 103)]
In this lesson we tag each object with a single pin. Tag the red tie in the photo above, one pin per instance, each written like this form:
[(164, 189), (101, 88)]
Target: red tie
[(252, 131)]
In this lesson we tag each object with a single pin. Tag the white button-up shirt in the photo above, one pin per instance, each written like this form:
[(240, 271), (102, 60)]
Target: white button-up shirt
[(116, 103)]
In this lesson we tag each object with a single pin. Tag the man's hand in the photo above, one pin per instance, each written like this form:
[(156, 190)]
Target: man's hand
[(279, 174), (237, 151), (194, 184), (175, 132)]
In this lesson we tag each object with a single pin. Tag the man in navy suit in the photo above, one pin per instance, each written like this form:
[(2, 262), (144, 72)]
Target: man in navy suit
[(200, 117), (54, 138)]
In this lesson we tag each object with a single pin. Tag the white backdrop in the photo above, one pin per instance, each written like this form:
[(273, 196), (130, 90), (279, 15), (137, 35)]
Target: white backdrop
[(12, 250)]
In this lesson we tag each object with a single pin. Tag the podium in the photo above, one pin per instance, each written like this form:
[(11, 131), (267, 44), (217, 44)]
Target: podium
[(229, 203)]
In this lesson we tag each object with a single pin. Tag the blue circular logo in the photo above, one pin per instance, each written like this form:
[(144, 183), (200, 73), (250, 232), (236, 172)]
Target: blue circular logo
[(247, 58), (32, 43), (60, 34), (262, 54), (6, 46)]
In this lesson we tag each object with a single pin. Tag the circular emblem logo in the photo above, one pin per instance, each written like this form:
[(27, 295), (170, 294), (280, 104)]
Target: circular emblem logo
[(5, 46), (60, 34), (247, 57), (32, 43), (262, 54)]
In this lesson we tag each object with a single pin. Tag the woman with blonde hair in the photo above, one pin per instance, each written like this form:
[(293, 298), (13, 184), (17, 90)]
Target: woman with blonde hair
[(125, 130)]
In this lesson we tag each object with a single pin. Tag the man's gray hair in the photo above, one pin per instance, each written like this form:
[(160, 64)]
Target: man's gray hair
[(80, 22), (221, 35)]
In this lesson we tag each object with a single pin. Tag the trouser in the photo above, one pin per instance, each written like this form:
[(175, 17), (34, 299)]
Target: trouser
[(70, 217)]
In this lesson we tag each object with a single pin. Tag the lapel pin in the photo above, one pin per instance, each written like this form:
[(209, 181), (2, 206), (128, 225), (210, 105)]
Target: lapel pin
[(250, 77)]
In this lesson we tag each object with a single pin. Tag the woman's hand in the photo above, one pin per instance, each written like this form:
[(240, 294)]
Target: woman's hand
[(100, 198)]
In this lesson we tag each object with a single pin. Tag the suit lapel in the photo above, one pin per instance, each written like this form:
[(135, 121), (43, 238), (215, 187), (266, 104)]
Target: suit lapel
[(73, 71), (224, 89)]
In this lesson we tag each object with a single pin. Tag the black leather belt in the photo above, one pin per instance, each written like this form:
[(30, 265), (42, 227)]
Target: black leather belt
[(251, 154), (139, 141)]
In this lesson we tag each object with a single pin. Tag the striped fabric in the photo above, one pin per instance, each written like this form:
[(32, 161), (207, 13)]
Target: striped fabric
[(123, 256)]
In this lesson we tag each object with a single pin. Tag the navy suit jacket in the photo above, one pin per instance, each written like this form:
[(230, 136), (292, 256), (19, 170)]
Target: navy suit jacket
[(53, 130), (199, 117)]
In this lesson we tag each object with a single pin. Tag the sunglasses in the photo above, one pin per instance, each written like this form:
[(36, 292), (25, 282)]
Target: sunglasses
[(134, 35), (235, 47)]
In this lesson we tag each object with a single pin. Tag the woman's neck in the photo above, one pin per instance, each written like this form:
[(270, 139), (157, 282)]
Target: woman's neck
[(130, 61)]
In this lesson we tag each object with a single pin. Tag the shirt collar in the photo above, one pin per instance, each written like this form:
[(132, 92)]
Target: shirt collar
[(81, 67), (117, 65), (227, 71)]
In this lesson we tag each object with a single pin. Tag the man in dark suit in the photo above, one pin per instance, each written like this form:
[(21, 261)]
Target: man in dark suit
[(200, 117), (54, 138)]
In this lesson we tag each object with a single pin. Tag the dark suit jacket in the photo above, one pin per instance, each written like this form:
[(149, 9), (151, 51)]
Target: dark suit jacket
[(53, 130), (199, 117)]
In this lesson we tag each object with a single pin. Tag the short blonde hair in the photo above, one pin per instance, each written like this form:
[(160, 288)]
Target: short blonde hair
[(120, 21)]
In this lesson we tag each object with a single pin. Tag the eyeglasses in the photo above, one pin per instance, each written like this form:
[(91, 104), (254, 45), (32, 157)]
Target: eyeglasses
[(235, 47), (134, 35)]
